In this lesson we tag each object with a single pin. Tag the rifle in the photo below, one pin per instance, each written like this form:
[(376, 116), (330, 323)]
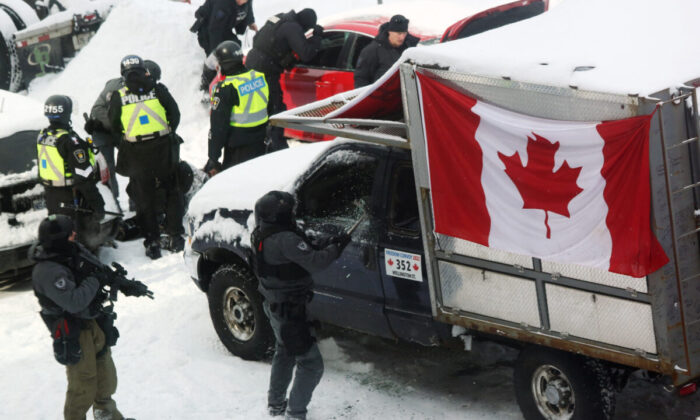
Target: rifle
[(115, 278), (82, 210)]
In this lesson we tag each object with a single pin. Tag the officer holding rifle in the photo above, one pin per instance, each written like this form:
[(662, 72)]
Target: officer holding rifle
[(75, 292)]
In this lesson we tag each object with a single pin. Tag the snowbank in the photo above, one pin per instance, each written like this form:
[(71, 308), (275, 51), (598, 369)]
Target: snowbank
[(624, 46), (18, 113)]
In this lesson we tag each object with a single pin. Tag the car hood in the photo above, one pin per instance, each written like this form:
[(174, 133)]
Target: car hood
[(19, 113), (238, 188)]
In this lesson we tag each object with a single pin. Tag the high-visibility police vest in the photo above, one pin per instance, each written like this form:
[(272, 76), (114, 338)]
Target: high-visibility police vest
[(52, 166), (253, 96), (143, 116)]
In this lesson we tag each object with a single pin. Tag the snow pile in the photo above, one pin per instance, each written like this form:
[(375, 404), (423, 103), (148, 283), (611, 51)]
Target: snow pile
[(624, 46), (18, 113)]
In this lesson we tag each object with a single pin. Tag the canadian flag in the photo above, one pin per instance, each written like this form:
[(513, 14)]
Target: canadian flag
[(564, 191)]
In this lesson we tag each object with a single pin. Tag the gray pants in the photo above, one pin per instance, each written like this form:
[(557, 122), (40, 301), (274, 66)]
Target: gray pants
[(105, 143), (309, 369)]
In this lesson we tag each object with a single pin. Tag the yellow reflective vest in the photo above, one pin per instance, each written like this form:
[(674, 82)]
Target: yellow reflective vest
[(53, 170), (253, 96), (143, 116)]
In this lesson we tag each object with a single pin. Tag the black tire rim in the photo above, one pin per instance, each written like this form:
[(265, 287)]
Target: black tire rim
[(553, 393), (239, 314)]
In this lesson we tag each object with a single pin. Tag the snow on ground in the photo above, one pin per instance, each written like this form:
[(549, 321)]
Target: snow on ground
[(170, 362)]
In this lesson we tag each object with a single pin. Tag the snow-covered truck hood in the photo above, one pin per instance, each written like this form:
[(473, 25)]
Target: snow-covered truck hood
[(19, 113), (239, 187)]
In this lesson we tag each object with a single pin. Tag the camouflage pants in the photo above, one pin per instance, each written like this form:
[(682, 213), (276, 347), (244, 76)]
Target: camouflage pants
[(93, 380)]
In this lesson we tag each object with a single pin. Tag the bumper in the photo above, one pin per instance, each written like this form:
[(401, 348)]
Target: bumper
[(191, 258)]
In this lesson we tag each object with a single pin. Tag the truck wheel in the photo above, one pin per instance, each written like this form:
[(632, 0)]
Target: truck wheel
[(556, 385), (236, 309)]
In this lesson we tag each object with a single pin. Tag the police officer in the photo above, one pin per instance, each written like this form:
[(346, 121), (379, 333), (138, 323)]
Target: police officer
[(67, 167), (275, 49), (146, 116), (238, 111), (71, 307), (218, 21), (284, 260), (384, 50)]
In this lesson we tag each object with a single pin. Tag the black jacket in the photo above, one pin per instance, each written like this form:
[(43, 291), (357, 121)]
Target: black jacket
[(288, 259), (153, 157), (221, 18), (273, 50), (378, 57), (222, 134)]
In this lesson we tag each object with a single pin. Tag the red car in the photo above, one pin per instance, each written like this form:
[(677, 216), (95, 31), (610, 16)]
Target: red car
[(331, 71)]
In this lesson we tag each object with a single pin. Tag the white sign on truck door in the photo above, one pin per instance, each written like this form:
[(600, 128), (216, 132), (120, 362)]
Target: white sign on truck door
[(403, 264)]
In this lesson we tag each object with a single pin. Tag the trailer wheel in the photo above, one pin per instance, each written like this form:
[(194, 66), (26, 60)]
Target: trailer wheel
[(5, 64), (556, 385), (235, 306)]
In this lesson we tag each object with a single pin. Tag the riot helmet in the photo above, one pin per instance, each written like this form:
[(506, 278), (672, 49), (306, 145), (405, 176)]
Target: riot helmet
[(55, 231), (229, 55), (153, 69), (58, 109), (131, 64), (275, 207), (307, 18)]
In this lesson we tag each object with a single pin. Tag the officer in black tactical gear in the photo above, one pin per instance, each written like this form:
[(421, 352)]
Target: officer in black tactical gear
[(146, 116), (218, 21), (284, 259), (81, 327), (67, 167), (275, 49), (238, 111)]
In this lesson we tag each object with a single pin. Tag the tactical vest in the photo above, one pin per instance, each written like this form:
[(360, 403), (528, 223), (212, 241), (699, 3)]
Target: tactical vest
[(253, 95), (143, 116), (276, 281), (264, 40), (52, 167)]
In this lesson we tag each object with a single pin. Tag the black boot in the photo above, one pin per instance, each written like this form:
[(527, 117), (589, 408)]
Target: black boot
[(277, 410), (152, 250)]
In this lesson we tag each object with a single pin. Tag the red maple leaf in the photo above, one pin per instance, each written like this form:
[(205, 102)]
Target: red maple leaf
[(415, 267), (539, 186), (391, 262)]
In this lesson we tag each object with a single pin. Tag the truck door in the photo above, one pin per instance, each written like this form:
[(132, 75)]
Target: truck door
[(400, 258), (349, 292)]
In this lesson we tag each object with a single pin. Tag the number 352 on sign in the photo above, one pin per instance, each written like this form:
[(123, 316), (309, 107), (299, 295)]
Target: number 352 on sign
[(402, 264)]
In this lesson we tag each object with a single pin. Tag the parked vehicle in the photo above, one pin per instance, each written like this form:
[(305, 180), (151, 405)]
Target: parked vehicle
[(331, 72), (30, 47), (582, 331)]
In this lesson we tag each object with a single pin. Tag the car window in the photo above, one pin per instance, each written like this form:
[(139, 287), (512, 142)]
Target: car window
[(337, 192), (403, 206), (329, 56), (360, 43)]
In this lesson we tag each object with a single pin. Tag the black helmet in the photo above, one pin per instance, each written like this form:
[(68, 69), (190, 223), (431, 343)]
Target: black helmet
[(132, 63), (55, 230), (153, 69), (307, 18), (275, 207), (58, 108), (229, 53)]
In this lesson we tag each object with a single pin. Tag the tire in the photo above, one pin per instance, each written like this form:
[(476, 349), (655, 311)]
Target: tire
[(236, 309), (5, 64), (556, 385)]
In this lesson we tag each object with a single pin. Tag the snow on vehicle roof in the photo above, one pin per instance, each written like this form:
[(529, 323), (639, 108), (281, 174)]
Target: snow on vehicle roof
[(18, 113), (73, 7), (623, 46), (432, 17)]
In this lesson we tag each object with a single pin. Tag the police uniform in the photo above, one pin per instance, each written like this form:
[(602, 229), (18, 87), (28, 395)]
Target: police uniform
[(239, 118), (100, 128), (276, 48), (146, 119), (284, 260), (70, 304), (68, 172)]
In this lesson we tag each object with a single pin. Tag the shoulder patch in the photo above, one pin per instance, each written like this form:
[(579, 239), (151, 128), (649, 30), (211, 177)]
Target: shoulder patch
[(215, 102), (79, 155), (75, 140), (303, 246), (60, 283)]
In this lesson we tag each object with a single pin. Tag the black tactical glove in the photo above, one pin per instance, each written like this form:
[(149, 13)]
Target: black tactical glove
[(212, 167), (318, 30), (342, 240), (92, 125), (104, 278)]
